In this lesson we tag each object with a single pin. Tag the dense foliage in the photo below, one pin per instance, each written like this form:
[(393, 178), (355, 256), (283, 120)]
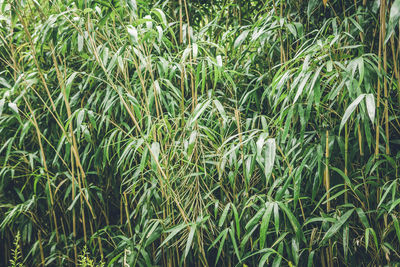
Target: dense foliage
[(199, 132)]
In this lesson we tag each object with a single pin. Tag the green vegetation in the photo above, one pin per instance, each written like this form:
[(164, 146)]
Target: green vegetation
[(15, 260), (199, 132)]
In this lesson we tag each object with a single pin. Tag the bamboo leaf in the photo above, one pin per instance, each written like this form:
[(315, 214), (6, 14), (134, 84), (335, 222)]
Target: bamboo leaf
[(241, 38), (350, 109), (2, 101), (13, 107), (256, 218), (265, 223), (394, 19), (269, 154), (337, 225), (174, 231), (80, 42), (370, 101), (224, 214), (189, 240)]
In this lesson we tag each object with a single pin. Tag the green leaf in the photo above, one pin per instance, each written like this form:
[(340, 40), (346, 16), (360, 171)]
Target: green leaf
[(293, 221), (394, 205), (270, 152), (350, 110), (310, 261), (265, 258), (336, 226), (220, 109), (363, 217), (221, 236), (264, 223), (237, 220), (344, 176), (393, 19), (346, 241), (161, 15), (292, 29), (155, 150), (224, 214), (79, 119), (295, 251), (256, 218), (73, 202), (276, 218), (80, 43), (247, 237), (173, 231), (190, 239), (68, 84), (199, 110), (301, 86), (13, 107), (260, 144), (311, 6), (120, 63), (191, 142), (370, 101), (2, 101), (235, 247), (396, 226), (367, 232), (241, 38)]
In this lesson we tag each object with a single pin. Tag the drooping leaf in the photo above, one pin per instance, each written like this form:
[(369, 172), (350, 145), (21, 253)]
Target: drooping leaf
[(337, 225), (350, 109), (270, 152), (265, 223), (241, 38), (370, 102), (394, 19), (189, 240)]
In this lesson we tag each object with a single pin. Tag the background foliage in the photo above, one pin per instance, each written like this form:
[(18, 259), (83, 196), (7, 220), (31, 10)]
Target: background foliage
[(197, 133)]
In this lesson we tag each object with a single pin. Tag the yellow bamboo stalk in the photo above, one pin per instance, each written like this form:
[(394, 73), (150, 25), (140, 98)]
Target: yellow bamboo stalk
[(327, 179), (43, 157), (385, 89), (346, 153), (194, 93), (378, 94), (127, 214), (41, 249)]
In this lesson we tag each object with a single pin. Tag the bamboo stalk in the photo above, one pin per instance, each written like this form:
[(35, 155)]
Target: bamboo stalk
[(83, 217), (127, 214), (323, 258), (194, 91), (43, 157), (360, 140), (378, 94), (182, 66), (330, 252), (327, 179), (23, 22), (41, 249), (237, 117), (346, 152), (74, 149), (358, 21), (73, 210), (133, 118), (383, 48), (385, 89)]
